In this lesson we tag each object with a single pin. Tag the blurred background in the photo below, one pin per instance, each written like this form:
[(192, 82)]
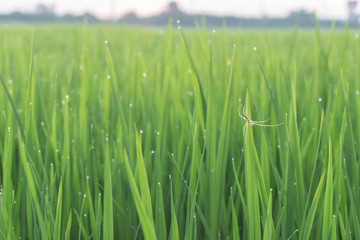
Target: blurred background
[(247, 13)]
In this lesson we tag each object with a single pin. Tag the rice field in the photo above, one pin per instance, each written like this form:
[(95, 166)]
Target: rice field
[(112, 132)]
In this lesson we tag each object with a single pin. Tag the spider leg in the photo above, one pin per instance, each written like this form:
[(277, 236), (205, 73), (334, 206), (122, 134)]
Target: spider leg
[(244, 110), (245, 132), (245, 128), (263, 125), (239, 112), (256, 122)]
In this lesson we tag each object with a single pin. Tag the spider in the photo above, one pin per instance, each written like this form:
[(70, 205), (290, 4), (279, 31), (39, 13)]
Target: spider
[(251, 122)]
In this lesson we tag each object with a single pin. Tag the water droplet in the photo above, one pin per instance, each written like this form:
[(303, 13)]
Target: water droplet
[(190, 93)]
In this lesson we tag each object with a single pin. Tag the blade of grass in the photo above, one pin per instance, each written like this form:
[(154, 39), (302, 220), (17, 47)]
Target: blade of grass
[(174, 233), (328, 198), (306, 229), (108, 232), (251, 182), (57, 229), (147, 226)]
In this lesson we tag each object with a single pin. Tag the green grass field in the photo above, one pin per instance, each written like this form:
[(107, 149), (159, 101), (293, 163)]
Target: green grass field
[(131, 133)]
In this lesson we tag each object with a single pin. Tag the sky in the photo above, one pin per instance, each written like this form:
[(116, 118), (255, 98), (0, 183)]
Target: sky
[(334, 9)]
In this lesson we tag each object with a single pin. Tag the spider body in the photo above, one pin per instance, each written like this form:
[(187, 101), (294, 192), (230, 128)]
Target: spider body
[(252, 122)]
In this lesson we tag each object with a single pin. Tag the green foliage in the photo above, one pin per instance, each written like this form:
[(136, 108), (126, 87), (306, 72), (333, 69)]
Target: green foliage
[(73, 166)]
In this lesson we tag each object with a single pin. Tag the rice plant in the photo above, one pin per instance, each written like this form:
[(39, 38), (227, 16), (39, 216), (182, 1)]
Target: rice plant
[(112, 132)]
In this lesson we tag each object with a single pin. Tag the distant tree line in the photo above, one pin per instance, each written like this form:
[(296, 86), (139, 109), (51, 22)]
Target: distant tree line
[(46, 14)]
